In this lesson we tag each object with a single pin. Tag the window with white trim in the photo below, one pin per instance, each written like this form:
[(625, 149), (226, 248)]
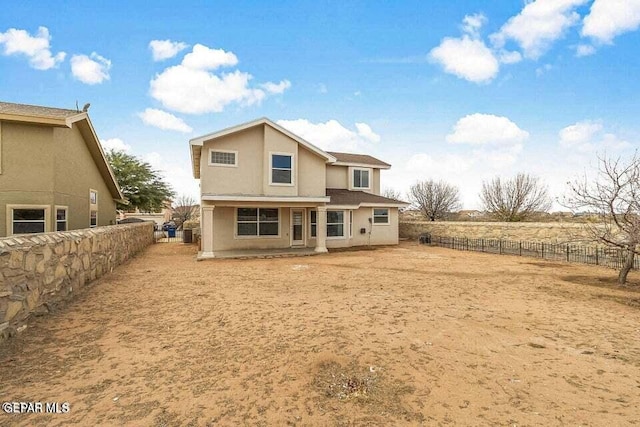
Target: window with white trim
[(93, 219), (335, 223), (281, 169), (28, 220), (314, 222), (257, 222), (93, 197), (361, 178), (61, 218), (381, 216), (223, 158)]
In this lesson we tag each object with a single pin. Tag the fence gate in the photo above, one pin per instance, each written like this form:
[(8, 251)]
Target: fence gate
[(168, 236)]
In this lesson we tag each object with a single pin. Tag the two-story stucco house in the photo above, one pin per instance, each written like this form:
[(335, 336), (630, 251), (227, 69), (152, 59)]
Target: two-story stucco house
[(263, 187), (53, 172)]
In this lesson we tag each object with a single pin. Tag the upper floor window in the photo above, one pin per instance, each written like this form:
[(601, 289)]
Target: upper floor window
[(282, 169), (93, 197), (361, 178), (223, 158)]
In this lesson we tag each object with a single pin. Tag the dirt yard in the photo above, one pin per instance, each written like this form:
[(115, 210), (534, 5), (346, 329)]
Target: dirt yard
[(410, 335)]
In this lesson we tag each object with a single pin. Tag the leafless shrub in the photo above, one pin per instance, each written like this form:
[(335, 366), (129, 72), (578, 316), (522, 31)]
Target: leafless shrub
[(515, 199), (435, 199)]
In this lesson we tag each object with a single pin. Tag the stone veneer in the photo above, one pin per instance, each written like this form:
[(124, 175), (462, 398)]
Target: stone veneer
[(552, 232), (39, 270)]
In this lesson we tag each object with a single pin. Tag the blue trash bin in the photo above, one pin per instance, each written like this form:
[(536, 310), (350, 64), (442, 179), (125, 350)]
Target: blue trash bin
[(171, 231)]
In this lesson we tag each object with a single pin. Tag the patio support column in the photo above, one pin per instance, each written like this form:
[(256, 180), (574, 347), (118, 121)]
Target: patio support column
[(206, 231), (321, 229)]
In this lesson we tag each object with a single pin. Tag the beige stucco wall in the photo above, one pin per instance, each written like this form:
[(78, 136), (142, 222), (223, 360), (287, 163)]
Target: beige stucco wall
[(75, 173), (337, 177), (252, 175), (50, 166), (246, 178), (311, 174), (224, 232), (340, 177), (380, 234)]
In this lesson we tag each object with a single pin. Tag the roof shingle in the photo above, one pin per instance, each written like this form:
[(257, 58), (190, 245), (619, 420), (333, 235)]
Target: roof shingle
[(361, 159), (36, 111), (341, 196)]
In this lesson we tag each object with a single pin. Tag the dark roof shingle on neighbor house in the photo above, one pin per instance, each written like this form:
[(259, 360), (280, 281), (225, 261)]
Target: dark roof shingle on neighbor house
[(360, 159), (341, 197), (36, 111)]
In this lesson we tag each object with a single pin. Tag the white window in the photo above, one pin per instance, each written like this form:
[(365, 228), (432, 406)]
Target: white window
[(335, 224), (361, 178), (61, 218), (93, 197), (257, 222), (281, 169), (28, 219), (314, 222), (223, 158), (381, 216), (93, 219)]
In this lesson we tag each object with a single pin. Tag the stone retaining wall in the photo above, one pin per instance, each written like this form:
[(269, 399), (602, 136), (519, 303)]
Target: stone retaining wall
[(39, 270), (552, 232)]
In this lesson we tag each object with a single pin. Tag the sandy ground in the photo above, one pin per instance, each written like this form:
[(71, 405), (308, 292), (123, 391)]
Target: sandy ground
[(409, 335)]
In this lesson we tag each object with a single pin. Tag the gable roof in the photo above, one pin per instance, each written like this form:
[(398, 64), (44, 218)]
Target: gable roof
[(349, 159), (197, 143), (37, 114), (342, 197), (59, 117)]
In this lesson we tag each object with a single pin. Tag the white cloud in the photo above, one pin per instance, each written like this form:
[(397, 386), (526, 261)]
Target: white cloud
[(365, 131), (163, 120), (276, 88), (322, 88), (610, 18), (36, 48), (193, 88), (165, 49), (332, 136), (589, 136), (115, 144), (467, 58), (585, 50), (176, 171), (538, 25), (92, 69), (486, 129), (510, 57), (204, 58), (471, 24)]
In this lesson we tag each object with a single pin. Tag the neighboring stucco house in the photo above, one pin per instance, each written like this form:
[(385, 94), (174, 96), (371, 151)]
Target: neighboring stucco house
[(263, 187), (53, 172)]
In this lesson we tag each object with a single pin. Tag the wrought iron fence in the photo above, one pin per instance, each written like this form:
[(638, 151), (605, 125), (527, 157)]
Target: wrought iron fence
[(597, 255), (168, 236)]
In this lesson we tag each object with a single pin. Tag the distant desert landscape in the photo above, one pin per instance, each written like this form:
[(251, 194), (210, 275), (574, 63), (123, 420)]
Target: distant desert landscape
[(406, 335)]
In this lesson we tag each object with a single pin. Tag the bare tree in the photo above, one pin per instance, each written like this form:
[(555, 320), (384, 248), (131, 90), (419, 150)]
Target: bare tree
[(392, 193), (184, 208), (614, 198), (435, 199), (515, 199)]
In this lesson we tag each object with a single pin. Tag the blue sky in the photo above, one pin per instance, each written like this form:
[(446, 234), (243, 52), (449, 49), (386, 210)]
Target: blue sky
[(461, 91)]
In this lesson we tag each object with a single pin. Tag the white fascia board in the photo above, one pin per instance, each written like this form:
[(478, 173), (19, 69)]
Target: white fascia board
[(231, 198)]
